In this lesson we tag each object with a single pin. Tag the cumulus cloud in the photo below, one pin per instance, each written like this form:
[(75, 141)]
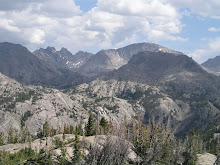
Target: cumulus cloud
[(17, 5), (58, 8), (213, 29), (35, 36), (8, 25), (205, 8), (211, 50), (157, 20), (158, 35), (144, 8), (58, 23)]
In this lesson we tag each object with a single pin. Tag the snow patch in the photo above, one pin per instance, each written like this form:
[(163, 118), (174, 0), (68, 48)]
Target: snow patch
[(78, 63)]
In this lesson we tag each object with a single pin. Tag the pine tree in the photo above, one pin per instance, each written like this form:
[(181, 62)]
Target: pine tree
[(63, 160), (77, 153), (90, 127), (24, 134), (10, 136), (218, 150), (46, 129), (64, 136), (59, 130), (71, 129), (16, 137), (80, 129), (2, 138), (192, 149), (103, 123)]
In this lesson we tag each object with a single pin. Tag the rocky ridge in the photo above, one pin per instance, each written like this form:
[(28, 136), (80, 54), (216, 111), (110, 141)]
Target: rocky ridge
[(19, 63), (108, 60), (63, 58), (212, 65), (156, 85), (111, 99)]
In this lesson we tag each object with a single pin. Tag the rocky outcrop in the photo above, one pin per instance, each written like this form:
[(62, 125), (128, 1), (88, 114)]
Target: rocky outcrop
[(179, 77), (206, 159), (63, 58)]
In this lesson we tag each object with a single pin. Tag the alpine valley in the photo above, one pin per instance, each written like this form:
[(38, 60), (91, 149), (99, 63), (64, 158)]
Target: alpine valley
[(142, 82)]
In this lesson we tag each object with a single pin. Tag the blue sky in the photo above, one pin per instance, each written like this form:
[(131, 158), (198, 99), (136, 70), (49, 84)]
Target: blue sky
[(192, 27), (86, 5)]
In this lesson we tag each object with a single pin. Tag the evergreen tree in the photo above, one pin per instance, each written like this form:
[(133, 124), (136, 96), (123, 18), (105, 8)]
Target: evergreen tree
[(16, 137), (80, 129), (218, 150), (192, 149), (24, 135), (10, 136), (64, 136), (77, 153), (46, 129), (63, 160), (103, 123), (71, 129), (90, 127), (2, 137)]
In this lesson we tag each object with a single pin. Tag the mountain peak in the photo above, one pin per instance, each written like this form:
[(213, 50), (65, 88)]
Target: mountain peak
[(154, 67), (108, 60), (212, 65), (64, 49), (51, 49), (12, 46)]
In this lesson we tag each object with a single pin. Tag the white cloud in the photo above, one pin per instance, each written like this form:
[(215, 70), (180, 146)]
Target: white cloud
[(35, 36), (117, 21), (110, 23), (211, 50), (8, 25), (144, 8), (7, 5), (213, 29), (206, 8), (157, 35), (58, 8)]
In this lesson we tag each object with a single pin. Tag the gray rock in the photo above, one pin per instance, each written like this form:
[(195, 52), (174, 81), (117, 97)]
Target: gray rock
[(206, 159)]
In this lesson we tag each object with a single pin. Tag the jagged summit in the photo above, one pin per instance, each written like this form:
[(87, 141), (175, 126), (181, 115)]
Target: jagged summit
[(19, 63), (63, 58)]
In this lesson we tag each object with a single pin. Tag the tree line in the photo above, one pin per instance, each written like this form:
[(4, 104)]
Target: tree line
[(153, 143)]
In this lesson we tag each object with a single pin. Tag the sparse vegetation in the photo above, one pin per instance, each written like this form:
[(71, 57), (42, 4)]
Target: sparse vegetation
[(153, 143)]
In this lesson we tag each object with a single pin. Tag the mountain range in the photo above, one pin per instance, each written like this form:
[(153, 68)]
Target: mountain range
[(108, 60), (212, 65), (63, 58), (145, 78), (19, 63)]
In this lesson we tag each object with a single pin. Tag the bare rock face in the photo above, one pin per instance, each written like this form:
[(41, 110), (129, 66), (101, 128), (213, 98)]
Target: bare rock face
[(178, 77), (206, 159), (63, 58), (212, 65), (108, 60), (158, 84), (19, 63), (33, 106)]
